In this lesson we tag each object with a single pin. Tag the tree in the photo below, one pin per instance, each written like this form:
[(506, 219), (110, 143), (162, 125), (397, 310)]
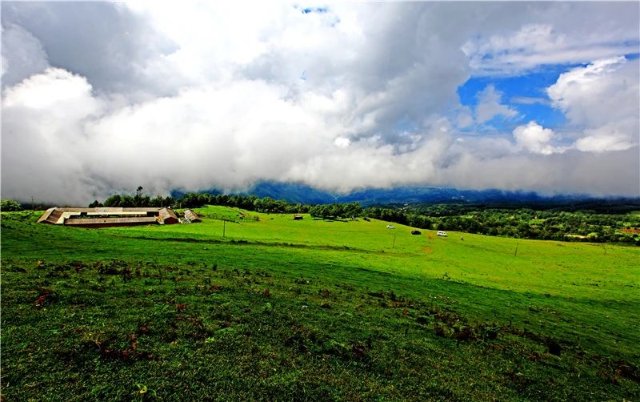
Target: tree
[(141, 200), (113, 201), (95, 204), (127, 201), (10, 205), (194, 200)]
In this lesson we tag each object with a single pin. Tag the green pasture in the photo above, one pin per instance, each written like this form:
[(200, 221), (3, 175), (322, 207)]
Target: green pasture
[(262, 306), (596, 271)]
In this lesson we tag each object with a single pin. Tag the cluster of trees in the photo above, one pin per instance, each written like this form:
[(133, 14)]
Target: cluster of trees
[(10, 205), (248, 202), (517, 221), (402, 216), (137, 200), (350, 210), (195, 200)]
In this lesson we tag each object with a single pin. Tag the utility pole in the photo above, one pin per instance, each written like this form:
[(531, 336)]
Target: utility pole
[(224, 227), (394, 241)]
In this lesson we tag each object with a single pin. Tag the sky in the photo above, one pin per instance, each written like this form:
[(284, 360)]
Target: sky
[(101, 97)]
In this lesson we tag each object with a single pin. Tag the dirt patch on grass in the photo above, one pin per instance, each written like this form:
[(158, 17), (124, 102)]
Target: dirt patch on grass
[(427, 250)]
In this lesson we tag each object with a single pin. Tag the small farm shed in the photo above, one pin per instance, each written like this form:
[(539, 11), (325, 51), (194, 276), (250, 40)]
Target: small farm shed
[(416, 232), (166, 216), (297, 217), (191, 216)]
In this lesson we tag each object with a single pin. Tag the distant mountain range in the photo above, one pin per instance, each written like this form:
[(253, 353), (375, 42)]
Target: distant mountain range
[(302, 193)]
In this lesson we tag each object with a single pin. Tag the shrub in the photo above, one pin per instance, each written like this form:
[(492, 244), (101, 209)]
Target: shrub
[(10, 205)]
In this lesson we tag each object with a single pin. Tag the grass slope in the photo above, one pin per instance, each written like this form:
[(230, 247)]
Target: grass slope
[(284, 309)]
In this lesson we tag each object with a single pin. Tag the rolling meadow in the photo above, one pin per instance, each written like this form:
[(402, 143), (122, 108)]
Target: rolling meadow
[(255, 306)]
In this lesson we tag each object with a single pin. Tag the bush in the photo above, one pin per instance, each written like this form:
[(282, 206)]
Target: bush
[(10, 205)]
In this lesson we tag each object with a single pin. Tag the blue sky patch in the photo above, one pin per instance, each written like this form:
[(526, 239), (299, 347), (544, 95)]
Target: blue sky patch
[(632, 56), (524, 93), (320, 10)]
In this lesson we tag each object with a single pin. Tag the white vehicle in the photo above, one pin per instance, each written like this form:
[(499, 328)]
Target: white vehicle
[(442, 233), (390, 227)]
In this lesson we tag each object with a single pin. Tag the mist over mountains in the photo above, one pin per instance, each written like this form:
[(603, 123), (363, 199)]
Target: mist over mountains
[(305, 194)]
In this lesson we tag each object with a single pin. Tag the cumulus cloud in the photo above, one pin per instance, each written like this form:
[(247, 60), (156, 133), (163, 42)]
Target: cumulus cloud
[(601, 101), (43, 135), (580, 91), (225, 143), (535, 138), (606, 139), (197, 96), (490, 105), (115, 48)]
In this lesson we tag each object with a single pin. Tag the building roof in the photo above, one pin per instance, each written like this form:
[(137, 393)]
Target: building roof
[(106, 216), (110, 221), (109, 210), (191, 216), (51, 215), (166, 215)]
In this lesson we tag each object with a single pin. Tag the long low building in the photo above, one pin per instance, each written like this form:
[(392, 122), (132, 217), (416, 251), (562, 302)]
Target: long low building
[(101, 216)]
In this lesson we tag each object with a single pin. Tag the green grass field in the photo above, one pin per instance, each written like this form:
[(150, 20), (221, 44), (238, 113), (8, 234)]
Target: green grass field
[(278, 309)]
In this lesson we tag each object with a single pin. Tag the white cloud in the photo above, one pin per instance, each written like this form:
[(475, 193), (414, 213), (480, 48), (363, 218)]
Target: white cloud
[(43, 137), (529, 100), (569, 172), (342, 142), (551, 42), (490, 105), (53, 90), (603, 140), (206, 95), (208, 136), (520, 49), (604, 90), (535, 138), (602, 103)]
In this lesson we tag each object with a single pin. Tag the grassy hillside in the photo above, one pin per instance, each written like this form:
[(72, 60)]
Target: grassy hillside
[(311, 309)]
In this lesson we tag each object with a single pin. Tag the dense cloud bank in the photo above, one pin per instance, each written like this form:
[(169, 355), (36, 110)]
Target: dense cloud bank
[(102, 97)]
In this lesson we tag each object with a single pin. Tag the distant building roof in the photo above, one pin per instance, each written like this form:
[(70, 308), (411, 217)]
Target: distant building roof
[(167, 216), (142, 220), (105, 216), (51, 215), (191, 216)]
